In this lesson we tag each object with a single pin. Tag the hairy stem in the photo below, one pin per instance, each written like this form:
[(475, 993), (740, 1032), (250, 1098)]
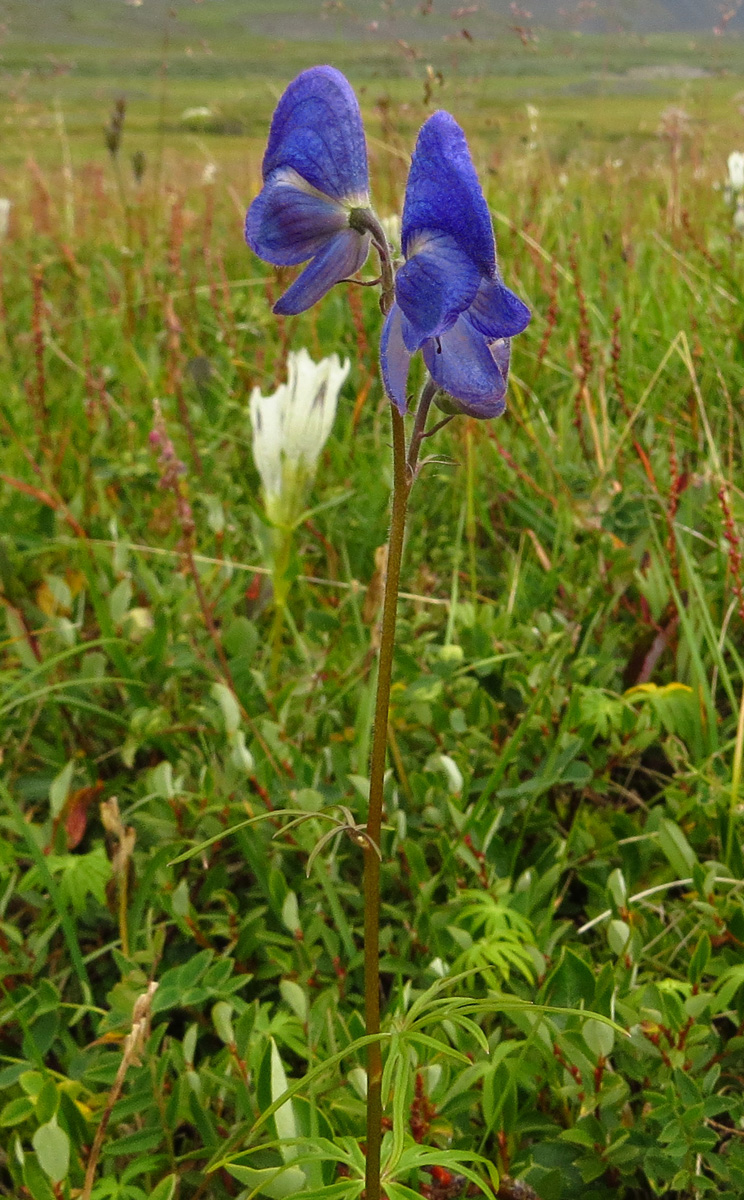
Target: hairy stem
[(401, 489), (404, 474)]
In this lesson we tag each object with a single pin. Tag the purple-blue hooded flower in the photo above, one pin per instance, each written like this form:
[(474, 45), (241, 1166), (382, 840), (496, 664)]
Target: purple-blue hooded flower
[(315, 176), (450, 300)]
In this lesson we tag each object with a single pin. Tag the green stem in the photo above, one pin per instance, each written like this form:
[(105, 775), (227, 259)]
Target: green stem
[(404, 472), (275, 641), (281, 582), (471, 528)]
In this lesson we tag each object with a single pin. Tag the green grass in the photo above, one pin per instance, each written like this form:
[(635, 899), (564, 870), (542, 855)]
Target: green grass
[(566, 707)]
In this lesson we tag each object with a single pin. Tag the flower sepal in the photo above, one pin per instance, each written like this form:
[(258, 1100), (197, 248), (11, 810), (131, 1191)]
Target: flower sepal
[(314, 182)]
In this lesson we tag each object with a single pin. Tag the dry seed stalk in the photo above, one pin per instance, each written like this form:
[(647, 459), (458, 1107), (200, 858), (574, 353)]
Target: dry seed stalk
[(586, 361), (677, 486), (125, 841), (174, 377), (133, 1045), (551, 316), (734, 551)]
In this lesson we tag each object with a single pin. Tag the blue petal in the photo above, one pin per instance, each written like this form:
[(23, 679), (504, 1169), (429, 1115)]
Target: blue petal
[(343, 255), (317, 130), (497, 312), (394, 358), (288, 222), (437, 283), (443, 193), (473, 369)]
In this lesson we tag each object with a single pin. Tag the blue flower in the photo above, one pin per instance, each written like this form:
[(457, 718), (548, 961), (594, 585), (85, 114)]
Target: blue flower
[(315, 177), (450, 301)]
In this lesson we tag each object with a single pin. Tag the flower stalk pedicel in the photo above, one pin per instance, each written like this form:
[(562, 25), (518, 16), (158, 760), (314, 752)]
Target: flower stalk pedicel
[(448, 301)]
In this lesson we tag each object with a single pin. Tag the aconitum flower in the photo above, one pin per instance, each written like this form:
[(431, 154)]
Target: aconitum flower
[(290, 429), (315, 181), (450, 301)]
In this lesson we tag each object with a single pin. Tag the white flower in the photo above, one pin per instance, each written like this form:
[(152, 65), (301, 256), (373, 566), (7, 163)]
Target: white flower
[(290, 429), (209, 174), (736, 170), (4, 215)]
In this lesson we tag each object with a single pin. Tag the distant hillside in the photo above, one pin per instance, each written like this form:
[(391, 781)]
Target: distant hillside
[(111, 22)]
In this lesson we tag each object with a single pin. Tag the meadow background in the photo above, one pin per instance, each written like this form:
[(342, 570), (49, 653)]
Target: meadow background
[(563, 809)]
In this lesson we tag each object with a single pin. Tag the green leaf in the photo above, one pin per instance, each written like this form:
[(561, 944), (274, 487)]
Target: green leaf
[(617, 888), (578, 1136), (571, 982), (295, 997), (222, 1021), (11, 1075), (676, 848), (47, 1101), (60, 788), (291, 913), (52, 1147), (35, 1179), (229, 705), (728, 985), (83, 875), (119, 600), (32, 1082), (16, 1111), (590, 1167), (600, 1038), (134, 1143), (166, 1189), (284, 1117), (700, 958), (274, 1182), (618, 933)]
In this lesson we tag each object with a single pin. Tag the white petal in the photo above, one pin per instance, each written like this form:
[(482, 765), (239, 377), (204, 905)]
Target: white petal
[(266, 420), (314, 389), (290, 429)]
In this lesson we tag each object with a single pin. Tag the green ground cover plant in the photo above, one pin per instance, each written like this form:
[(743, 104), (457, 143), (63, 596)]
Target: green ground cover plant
[(562, 822)]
